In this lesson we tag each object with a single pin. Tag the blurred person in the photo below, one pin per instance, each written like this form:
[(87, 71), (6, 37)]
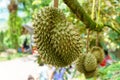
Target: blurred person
[(107, 60), (44, 72), (70, 72), (57, 74), (24, 41), (25, 45)]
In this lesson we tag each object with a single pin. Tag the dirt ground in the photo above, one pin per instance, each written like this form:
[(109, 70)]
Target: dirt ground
[(19, 69)]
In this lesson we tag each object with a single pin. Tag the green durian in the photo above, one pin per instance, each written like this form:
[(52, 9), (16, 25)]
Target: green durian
[(90, 62), (39, 61), (91, 74), (98, 53), (80, 63), (57, 40), (87, 64)]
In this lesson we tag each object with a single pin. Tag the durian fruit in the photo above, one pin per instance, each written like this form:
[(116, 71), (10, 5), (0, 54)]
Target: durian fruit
[(90, 62), (80, 63), (91, 74), (98, 53), (87, 64), (57, 40), (39, 61)]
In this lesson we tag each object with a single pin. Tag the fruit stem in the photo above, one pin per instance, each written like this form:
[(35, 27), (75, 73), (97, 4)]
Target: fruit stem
[(87, 43), (56, 3), (97, 39)]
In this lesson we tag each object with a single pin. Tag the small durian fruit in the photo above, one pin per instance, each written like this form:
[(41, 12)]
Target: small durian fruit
[(90, 74), (58, 41), (87, 64), (80, 63), (98, 53), (90, 62)]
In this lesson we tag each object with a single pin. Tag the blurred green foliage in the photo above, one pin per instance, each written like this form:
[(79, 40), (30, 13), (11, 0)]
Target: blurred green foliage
[(29, 6), (110, 72), (1, 40), (14, 31)]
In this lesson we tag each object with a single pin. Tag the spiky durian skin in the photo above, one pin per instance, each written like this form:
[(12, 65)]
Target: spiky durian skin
[(90, 62), (87, 64), (91, 74), (80, 63), (98, 53), (57, 40)]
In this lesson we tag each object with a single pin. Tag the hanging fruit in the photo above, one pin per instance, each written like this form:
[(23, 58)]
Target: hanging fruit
[(98, 53), (57, 40), (87, 64)]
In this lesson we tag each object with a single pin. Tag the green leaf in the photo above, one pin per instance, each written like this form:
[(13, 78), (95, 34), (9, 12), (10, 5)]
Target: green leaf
[(36, 2), (118, 19), (117, 9), (113, 35)]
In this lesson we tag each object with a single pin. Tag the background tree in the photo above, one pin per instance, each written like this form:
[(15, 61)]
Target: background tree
[(15, 24)]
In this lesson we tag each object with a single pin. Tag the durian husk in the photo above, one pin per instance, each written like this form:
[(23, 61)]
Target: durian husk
[(87, 64), (57, 40), (98, 53), (39, 61), (90, 62), (91, 74), (80, 63)]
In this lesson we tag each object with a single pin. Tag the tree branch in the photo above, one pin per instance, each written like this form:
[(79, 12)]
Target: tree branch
[(112, 28), (77, 9)]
